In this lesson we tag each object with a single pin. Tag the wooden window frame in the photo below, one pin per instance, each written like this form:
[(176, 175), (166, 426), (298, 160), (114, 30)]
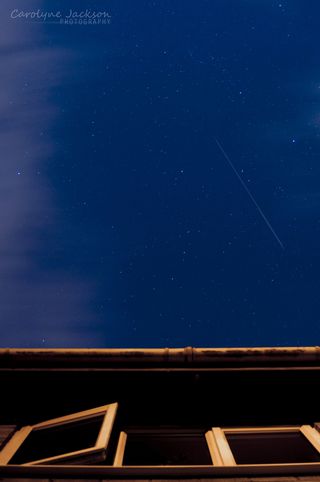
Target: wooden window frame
[(219, 449), (95, 453), (221, 452), (122, 440)]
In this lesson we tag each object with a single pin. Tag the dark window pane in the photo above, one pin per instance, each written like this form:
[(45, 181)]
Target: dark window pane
[(272, 448), (49, 442), (166, 449)]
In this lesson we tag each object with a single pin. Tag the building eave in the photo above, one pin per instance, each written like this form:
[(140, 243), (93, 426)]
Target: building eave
[(187, 357)]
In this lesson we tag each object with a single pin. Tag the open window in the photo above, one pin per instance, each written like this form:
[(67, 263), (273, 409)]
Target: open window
[(218, 447), (162, 447), (84, 438), (264, 445), (79, 438)]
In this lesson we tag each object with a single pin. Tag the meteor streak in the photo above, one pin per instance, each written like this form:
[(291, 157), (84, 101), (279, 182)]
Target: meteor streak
[(225, 155)]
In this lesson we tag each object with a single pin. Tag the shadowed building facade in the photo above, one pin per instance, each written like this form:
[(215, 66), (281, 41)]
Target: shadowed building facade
[(189, 413)]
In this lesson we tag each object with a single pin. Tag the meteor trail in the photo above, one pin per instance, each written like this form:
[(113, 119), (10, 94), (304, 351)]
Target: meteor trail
[(225, 155)]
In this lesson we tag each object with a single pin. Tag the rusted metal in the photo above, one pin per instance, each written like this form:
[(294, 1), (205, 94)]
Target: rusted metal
[(159, 357)]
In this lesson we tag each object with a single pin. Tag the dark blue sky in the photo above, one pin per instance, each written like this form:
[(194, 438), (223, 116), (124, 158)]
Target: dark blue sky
[(122, 222)]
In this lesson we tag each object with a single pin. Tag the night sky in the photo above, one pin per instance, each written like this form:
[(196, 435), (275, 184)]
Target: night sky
[(160, 174)]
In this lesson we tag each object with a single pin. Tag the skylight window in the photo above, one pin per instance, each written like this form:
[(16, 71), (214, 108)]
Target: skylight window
[(79, 438)]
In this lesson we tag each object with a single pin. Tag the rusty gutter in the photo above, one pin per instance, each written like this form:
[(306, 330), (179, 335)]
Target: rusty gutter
[(188, 357)]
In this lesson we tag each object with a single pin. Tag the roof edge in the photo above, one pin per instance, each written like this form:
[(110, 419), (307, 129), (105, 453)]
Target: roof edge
[(163, 357)]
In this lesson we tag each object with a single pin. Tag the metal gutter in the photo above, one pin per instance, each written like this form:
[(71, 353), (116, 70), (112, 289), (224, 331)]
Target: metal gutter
[(188, 357)]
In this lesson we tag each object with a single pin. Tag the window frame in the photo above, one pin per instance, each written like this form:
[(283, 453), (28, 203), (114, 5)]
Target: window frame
[(122, 440), (91, 454), (221, 452), (218, 446)]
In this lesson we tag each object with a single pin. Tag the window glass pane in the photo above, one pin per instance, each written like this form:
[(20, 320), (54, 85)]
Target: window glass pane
[(63, 439), (272, 448), (166, 449)]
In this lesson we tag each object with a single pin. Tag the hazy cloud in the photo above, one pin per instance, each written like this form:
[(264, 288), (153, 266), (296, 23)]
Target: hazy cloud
[(37, 307)]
